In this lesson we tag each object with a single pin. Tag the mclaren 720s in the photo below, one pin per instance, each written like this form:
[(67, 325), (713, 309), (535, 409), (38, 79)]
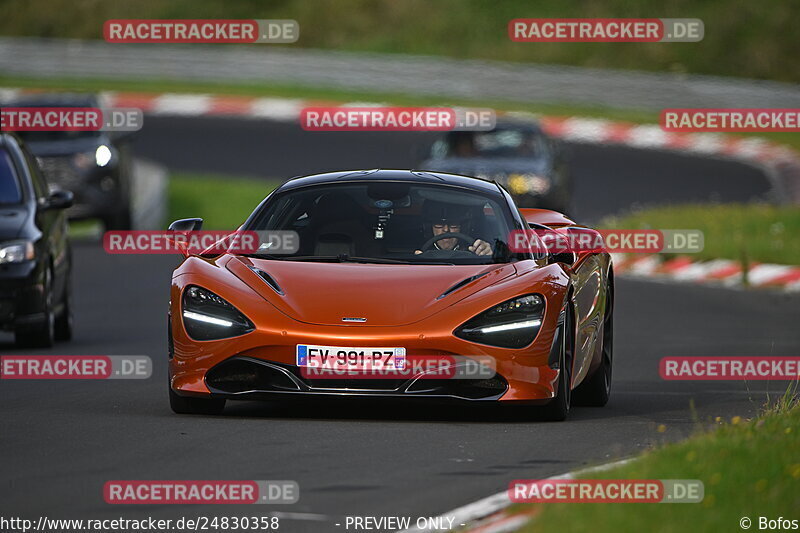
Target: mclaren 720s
[(401, 284)]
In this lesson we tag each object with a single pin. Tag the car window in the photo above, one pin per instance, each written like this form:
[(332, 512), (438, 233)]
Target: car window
[(40, 187), (56, 136), (392, 221), (10, 190)]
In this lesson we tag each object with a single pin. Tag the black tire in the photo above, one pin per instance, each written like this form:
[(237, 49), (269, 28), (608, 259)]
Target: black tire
[(63, 325), (42, 334), (558, 408), (184, 405), (595, 391)]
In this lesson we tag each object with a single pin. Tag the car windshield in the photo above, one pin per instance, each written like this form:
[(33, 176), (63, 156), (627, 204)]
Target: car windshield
[(496, 143), (9, 184), (55, 136), (391, 222)]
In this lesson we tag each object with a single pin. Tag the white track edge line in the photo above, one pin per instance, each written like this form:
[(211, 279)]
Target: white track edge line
[(497, 502)]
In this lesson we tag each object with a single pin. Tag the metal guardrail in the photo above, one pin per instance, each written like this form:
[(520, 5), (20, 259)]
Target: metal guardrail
[(418, 75), (149, 195)]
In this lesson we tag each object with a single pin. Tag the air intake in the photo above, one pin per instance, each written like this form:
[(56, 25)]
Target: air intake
[(269, 280)]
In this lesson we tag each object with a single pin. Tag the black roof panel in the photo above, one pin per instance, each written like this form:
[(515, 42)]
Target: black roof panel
[(417, 176)]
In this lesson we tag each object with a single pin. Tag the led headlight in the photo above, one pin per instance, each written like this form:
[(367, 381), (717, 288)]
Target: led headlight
[(511, 324), (16, 252), (206, 316)]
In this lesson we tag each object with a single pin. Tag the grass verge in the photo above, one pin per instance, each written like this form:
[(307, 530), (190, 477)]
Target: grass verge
[(761, 233), (223, 202), (749, 469), (741, 38)]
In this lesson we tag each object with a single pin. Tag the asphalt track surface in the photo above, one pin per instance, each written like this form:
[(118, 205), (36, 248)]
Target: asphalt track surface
[(61, 441)]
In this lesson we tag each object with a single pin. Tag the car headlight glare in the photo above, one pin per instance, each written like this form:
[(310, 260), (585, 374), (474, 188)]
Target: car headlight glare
[(207, 316), (511, 324), (16, 252), (102, 155), (528, 183)]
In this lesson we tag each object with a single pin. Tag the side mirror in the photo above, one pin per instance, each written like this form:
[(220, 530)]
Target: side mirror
[(58, 199), (556, 243), (186, 224), (582, 243)]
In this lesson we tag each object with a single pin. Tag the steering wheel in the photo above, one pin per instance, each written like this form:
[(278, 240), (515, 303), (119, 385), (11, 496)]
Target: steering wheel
[(436, 238)]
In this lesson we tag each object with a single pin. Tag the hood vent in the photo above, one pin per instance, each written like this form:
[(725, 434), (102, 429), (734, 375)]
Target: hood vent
[(269, 280), (461, 284)]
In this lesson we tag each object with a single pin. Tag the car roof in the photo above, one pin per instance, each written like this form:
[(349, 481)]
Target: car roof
[(505, 124), (5, 135), (411, 176), (57, 100)]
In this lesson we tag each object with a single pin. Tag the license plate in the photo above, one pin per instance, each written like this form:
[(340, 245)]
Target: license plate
[(343, 358)]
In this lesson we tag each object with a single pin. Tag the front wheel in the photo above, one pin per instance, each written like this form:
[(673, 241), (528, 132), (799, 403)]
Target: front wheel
[(42, 333), (595, 391), (63, 325), (558, 408)]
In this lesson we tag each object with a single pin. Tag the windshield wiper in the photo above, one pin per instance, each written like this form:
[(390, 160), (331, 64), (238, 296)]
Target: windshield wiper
[(372, 260), (344, 258), (309, 258), (341, 258)]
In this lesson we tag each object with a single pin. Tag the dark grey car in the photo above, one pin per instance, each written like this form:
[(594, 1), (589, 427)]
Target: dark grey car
[(95, 166), (35, 258), (518, 154)]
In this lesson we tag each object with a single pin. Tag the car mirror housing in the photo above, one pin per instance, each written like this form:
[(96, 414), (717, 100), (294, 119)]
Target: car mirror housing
[(186, 224), (565, 257), (58, 199)]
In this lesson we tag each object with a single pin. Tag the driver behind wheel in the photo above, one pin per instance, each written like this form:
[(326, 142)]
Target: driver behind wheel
[(440, 218)]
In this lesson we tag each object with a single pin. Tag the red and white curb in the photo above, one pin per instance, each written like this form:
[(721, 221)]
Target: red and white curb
[(723, 272), (490, 514), (577, 129)]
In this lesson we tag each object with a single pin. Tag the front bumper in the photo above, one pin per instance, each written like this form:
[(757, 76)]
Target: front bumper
[(250, 378), (97, 191), (262, 363)]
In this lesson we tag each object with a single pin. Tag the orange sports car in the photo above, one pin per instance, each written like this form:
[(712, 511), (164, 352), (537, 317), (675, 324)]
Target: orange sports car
[(400, 284)]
